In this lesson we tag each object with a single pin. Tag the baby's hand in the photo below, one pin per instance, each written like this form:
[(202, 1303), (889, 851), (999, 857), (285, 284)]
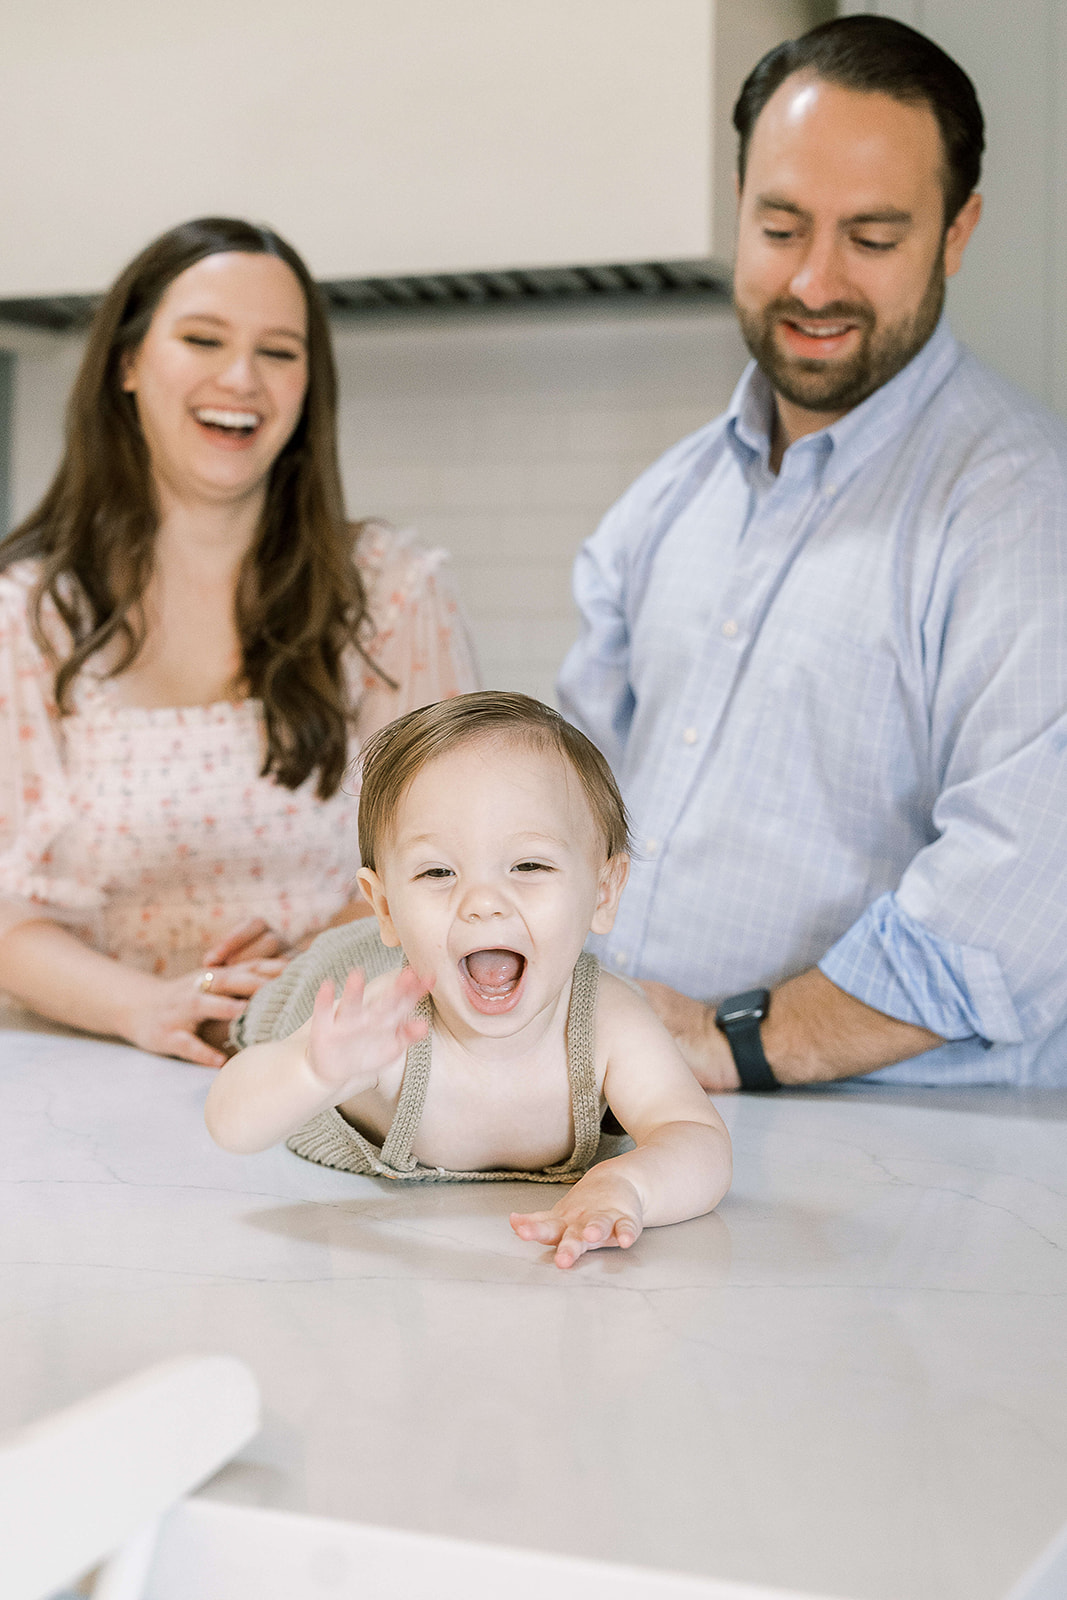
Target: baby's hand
[(602, 1211), (353, 1039)]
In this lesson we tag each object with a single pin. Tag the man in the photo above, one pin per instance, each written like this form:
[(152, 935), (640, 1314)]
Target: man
[(825, 638)]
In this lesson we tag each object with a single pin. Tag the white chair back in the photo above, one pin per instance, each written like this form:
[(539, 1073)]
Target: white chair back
[(234, 1553), (1047, 1578), (76, 1486)]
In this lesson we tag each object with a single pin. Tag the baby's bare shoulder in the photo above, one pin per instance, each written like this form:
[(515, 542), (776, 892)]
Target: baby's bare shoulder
[(621, 999)]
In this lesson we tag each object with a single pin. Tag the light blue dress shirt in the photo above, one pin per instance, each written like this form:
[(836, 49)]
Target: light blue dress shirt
[(836, 702)]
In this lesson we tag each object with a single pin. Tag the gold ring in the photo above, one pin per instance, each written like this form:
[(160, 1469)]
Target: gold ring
[(204, 982)]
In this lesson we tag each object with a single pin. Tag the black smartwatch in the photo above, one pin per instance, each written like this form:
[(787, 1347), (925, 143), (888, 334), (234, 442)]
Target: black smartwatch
[(739, 1018)]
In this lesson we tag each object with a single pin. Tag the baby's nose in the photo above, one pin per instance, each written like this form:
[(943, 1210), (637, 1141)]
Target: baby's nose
[(481, 902)]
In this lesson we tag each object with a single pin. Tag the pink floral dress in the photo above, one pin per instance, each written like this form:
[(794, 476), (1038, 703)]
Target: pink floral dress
[(149, 833)]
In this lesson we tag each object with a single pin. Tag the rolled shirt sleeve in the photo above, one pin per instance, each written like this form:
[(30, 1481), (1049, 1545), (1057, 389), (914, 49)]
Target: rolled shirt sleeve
[(970, 944)]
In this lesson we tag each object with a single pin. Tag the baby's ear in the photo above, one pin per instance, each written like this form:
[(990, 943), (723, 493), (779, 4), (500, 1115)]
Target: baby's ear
[(613, 876), (374, 891)]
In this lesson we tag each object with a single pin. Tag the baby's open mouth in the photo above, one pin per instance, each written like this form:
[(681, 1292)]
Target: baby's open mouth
[(494, 974)]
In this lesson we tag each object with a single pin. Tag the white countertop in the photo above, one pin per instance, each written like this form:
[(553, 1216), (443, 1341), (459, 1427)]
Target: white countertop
[(852, 1379)]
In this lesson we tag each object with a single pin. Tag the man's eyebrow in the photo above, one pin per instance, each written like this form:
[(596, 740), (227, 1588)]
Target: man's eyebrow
[(886, 214), (775, 202)]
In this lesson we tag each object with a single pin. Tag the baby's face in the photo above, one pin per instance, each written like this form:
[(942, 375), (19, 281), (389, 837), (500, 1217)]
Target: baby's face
[(494, 873)]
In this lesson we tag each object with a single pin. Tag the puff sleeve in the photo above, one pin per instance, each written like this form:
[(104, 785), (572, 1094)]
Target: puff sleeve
[(35, 801), (421, 640)]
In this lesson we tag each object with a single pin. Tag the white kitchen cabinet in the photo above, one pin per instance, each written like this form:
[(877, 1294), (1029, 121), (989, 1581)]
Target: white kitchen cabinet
[(386, 137)]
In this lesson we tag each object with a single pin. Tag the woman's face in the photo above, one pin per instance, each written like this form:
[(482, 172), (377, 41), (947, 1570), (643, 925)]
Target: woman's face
[(220, 377)]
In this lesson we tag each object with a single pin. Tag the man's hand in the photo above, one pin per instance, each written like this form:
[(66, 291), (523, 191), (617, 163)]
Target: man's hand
[(354, 1038), (691, 1024), (602, 1211)]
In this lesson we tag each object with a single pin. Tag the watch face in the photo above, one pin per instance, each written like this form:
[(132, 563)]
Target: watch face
[(750, 1006)]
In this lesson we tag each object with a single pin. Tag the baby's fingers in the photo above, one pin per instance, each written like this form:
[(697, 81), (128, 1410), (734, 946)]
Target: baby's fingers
[(322, 1010), (592, 1233), (350, 1000), (541, 1227)]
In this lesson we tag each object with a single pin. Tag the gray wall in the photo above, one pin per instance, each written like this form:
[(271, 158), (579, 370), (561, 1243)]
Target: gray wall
[(1010, 300)]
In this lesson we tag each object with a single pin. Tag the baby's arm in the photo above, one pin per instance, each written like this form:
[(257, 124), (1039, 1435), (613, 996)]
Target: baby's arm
[(268, 1091), (681, 1164)]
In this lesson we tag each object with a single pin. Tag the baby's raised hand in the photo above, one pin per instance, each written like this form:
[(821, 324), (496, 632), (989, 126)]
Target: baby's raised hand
[(355, 1037), (602, 1211)]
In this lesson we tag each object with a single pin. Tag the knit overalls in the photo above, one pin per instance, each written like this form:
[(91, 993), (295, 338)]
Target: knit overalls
[(279, 1008)]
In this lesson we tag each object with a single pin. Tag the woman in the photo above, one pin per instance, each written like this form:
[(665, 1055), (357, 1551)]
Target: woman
[(193, 642)]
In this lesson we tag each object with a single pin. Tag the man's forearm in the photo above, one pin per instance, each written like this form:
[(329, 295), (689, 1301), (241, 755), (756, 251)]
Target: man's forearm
[(816, 1033)]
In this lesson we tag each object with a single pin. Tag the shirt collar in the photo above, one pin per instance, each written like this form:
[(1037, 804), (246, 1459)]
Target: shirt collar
[(861, 431)]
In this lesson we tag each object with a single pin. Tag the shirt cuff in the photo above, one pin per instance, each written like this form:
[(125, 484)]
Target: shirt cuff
[(898, 966)]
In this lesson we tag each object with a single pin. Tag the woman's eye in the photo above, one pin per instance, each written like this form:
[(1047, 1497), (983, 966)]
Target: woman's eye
[(201, 341), (281, 355)]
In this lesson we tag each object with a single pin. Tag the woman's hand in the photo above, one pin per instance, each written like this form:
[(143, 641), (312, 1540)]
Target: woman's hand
[(602, 1211), (354, 1038), (167, 1019), (254, 940)]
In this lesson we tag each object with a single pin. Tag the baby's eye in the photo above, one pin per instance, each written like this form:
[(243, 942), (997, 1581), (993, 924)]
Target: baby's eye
[(532, 866), (437, 872)]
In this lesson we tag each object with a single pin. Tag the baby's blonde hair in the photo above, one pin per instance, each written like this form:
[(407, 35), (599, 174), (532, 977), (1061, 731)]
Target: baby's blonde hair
[(395, 754)]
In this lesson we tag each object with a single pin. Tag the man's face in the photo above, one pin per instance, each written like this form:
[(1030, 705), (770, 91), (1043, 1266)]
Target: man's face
[(842, 251)]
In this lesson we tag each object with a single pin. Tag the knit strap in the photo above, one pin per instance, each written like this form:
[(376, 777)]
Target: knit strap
[(581, 1073), (581, 1068)]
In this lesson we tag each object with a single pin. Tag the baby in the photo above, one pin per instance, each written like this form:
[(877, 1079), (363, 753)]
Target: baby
[(472, 1038)]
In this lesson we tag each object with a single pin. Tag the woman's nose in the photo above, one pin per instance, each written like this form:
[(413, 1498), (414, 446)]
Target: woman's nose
[(240, 373)]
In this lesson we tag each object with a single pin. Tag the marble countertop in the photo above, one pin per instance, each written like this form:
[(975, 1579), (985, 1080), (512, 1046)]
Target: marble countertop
[(852, 1379)]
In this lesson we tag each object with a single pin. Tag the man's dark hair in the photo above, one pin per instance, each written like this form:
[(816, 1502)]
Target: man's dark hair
[(876, 55)]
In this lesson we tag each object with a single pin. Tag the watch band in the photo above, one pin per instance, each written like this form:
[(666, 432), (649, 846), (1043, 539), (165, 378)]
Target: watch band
[(739, 1018)]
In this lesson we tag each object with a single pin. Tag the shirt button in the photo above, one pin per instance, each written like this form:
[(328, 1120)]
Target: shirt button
[(620, 958), (729, 629), (651, 846), (690, 736), (830, 490)]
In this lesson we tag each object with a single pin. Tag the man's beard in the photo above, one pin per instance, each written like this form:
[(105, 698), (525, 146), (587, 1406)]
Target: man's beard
[(837, 386)]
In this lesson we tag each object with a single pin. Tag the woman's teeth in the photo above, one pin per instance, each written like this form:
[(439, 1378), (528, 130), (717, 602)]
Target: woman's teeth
[(232, 421)]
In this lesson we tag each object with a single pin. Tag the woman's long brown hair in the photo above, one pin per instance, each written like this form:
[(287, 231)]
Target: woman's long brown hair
[(300, 604)]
